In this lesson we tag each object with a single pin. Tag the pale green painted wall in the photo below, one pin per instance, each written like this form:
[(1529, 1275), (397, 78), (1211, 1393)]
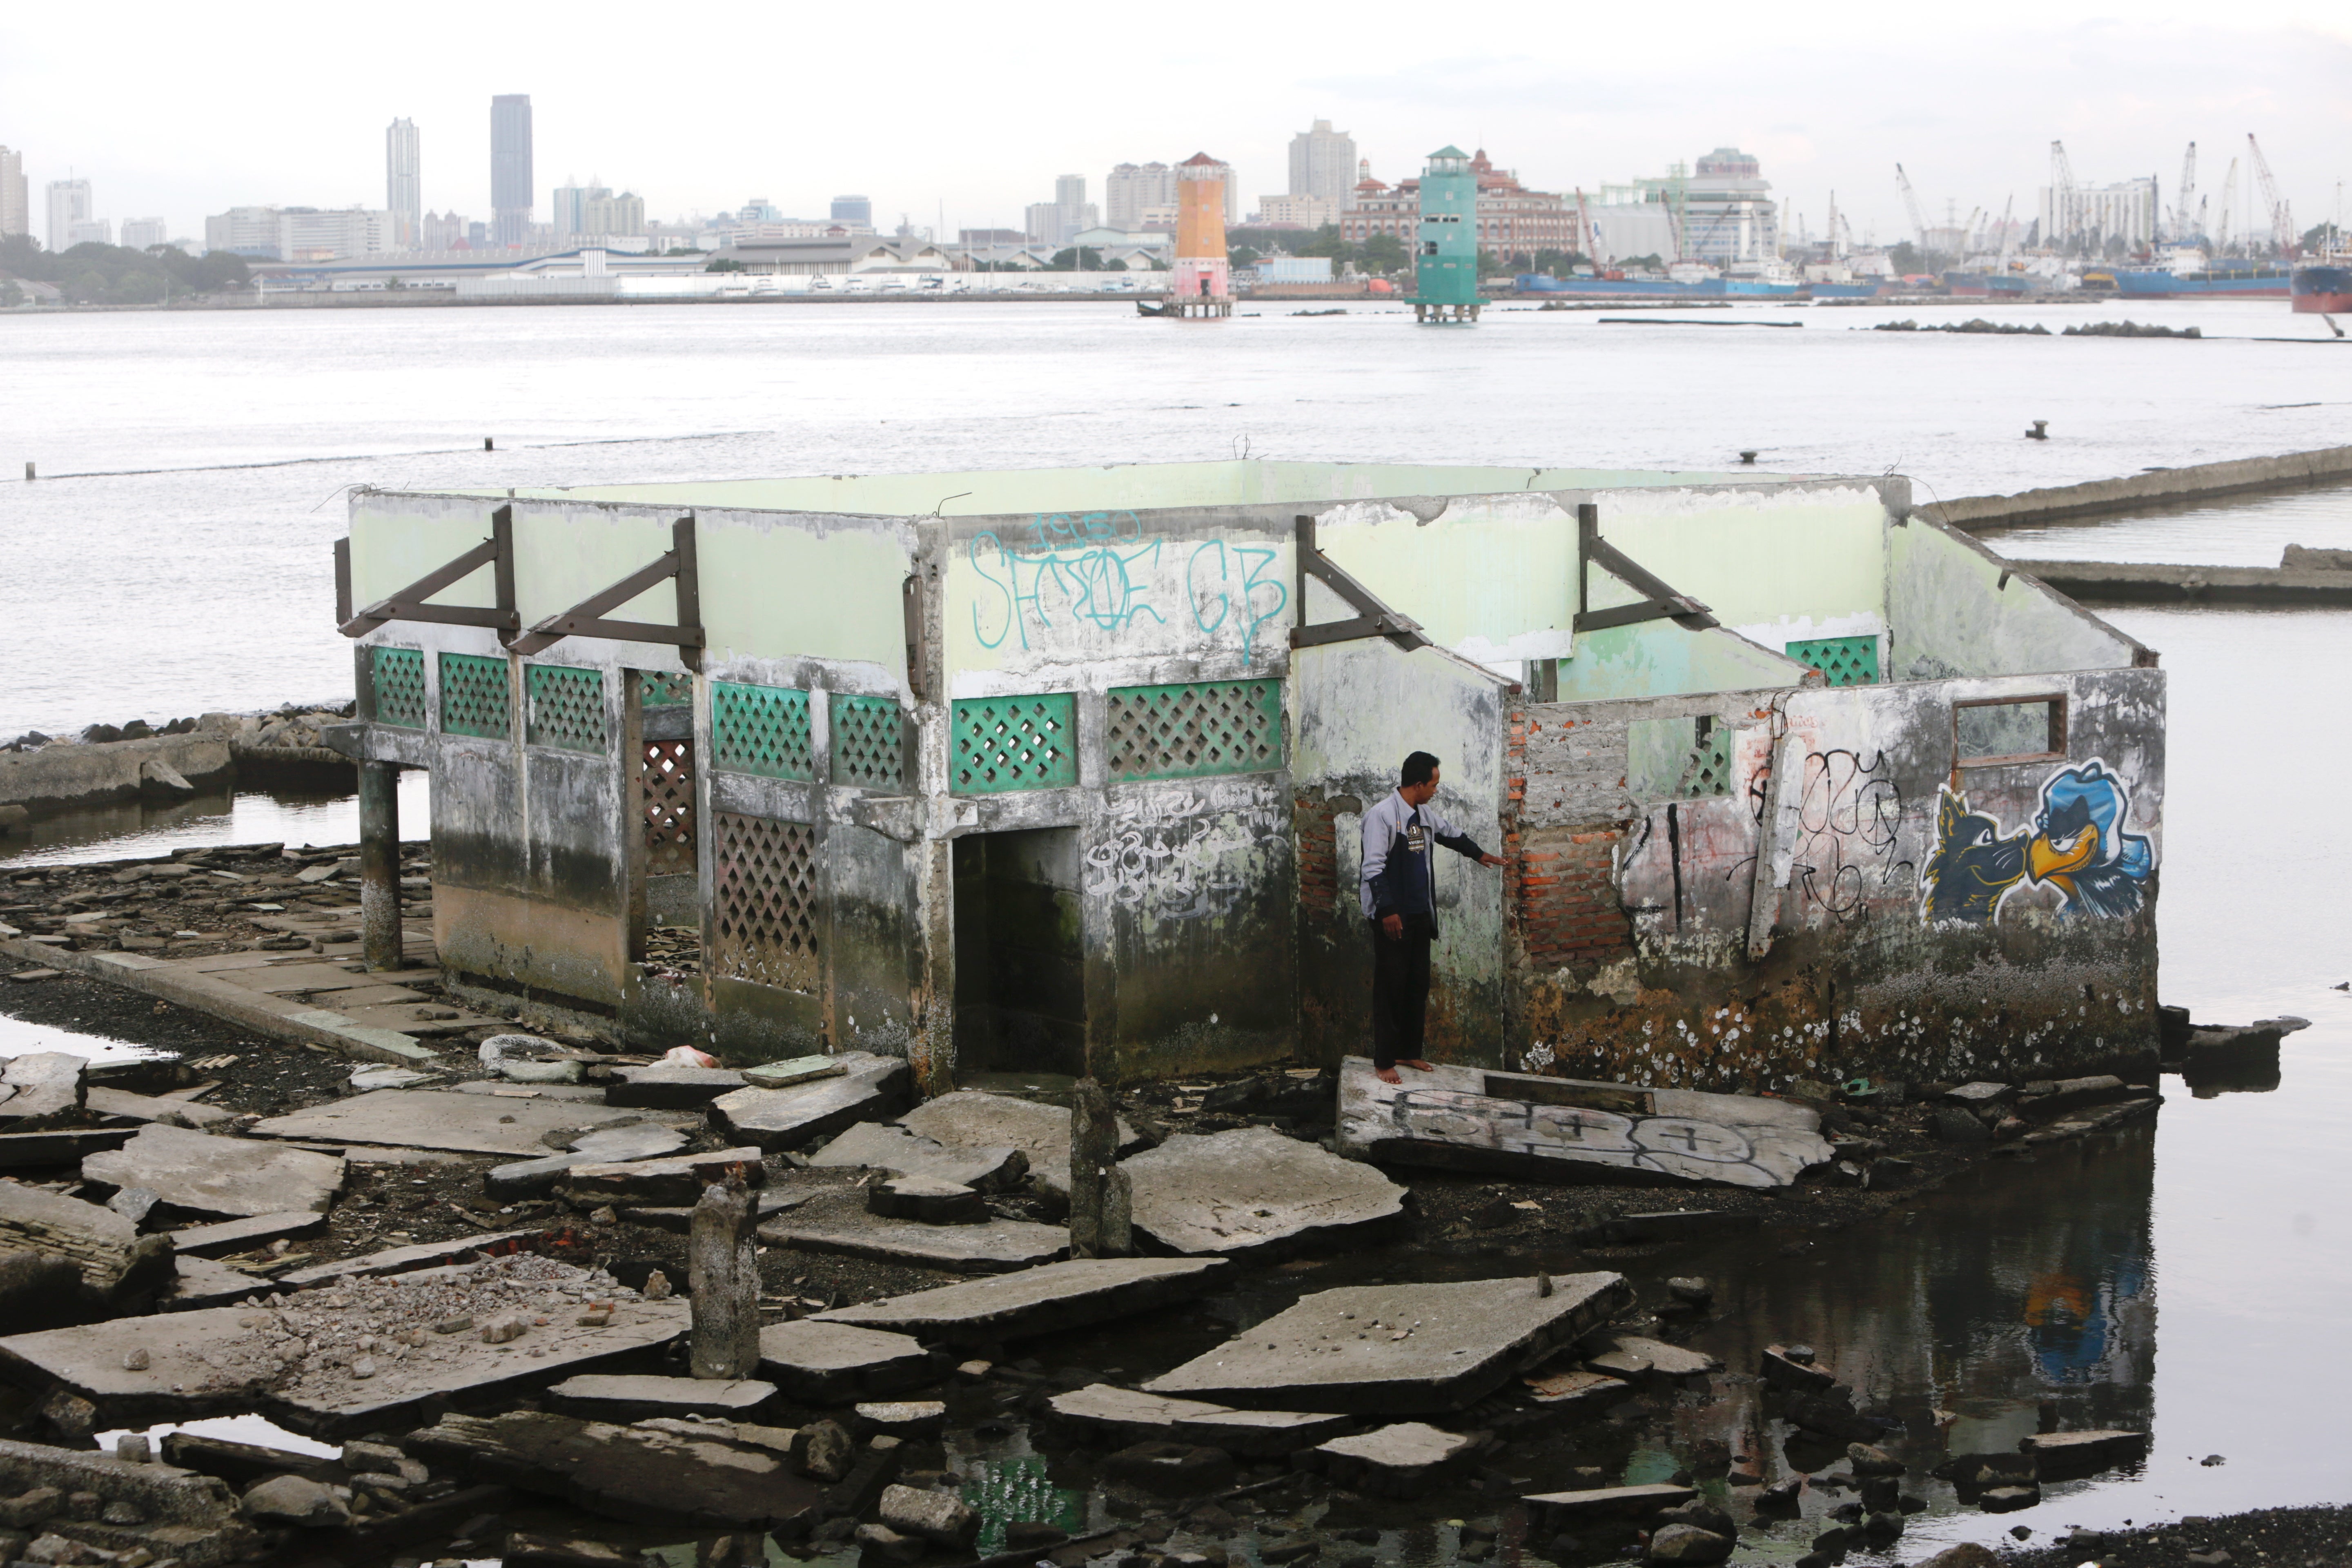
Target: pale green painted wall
[(1489, 570), (1948, 615), (1760, 556), (772, 587), (1659, 659)]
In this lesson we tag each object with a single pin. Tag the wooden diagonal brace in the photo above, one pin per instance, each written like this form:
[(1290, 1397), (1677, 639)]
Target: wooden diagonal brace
[(1373, 618), (1659, 600), (586, 619), (408, 604)]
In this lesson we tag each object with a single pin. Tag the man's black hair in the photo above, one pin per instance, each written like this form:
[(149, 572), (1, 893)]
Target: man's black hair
[(1419, 768)]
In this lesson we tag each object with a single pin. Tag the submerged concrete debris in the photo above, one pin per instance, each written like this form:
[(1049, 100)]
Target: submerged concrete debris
[(1398, 1349), (1533, 1125)]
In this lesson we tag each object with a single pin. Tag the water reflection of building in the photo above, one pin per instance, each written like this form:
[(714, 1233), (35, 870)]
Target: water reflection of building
[(1994, 1314)]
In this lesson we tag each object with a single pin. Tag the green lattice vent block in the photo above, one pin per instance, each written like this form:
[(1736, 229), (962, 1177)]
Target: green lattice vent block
[(765, 901), (474, 700), (1187, 731), (567, 707), (660, 689), (1846, 661), (760, 729), (869, 741), (1706, 771), (1013, 743), (397, 674)]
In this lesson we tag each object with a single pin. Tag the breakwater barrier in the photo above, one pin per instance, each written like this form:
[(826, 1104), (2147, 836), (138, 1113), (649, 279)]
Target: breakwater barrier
[(2198, 481)]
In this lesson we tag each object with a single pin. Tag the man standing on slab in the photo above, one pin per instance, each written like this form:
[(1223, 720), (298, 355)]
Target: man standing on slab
[(1400, 897)]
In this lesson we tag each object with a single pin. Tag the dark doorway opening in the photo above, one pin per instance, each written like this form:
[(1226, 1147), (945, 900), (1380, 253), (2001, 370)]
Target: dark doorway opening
[(1020, 1002)]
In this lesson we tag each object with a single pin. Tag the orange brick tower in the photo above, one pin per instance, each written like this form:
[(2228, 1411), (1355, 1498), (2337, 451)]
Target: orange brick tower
[(1200, 282)]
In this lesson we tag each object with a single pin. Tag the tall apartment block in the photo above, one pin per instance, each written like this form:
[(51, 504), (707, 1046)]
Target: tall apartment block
[(403, 184), (15, 198), (1323, 164), (69, 204), (512, 192)]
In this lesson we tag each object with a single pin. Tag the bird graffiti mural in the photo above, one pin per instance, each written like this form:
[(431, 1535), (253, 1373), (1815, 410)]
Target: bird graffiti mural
[(2076, 844), (1974, 866)]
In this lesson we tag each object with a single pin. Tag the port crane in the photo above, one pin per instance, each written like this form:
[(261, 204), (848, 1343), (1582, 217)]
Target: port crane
[(2282, 217), (2064, 212), (2007, 230), (2229, 190), (1918, 219), (2182, 219)]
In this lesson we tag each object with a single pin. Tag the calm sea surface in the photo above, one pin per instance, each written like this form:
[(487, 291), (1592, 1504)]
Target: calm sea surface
[(2192, 1278)]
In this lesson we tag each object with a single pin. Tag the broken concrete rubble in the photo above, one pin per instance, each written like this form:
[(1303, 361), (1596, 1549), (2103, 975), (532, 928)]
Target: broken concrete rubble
[(1565, 1510), (1237, 1192), (125, 1507), (636, 1396), (870, 1089), (706, 1473), (1042, 1301), (941, 1517), (976, 1120), (1398, 1349), (886, 1147), (926, 1199), (996, 1246), (1532, 1126), (831, 1363), (434, 1119), (205, 1175), (668, 1180), (1124, 1416), (1400, 1460), (665, 1087), (115, 1262), (40, 1088), (298, 1359)]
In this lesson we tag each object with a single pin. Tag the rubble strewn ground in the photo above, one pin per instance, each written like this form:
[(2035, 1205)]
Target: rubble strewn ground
[(1021, 1433)]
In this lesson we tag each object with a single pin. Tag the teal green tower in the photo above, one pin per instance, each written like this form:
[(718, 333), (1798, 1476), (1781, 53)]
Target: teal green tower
[(1445, 262)]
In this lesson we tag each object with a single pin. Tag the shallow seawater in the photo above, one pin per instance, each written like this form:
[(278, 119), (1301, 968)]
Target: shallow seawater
[(131, 829), (2232, 531)]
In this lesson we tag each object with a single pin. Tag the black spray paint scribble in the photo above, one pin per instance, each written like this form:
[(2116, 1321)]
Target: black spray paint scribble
[(1848, 812)]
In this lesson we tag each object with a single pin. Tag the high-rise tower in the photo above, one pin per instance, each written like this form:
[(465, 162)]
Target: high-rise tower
[(1323, 164), (513, 195), (69, 204), (16, 196), (403, 184)]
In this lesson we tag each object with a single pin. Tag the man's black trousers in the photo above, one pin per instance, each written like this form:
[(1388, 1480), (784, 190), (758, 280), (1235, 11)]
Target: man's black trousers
[(1400, 990)]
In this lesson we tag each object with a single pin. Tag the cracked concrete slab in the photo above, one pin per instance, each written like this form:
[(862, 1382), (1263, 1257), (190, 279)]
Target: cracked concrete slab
[(998, 1246), (975, 1120), (228, 1176), (432, 1119), (870, 1089), (889, 1147), (1124, 1416), (1398, 1349), (1237, 1192), (1046, 1300), (834, 1364)]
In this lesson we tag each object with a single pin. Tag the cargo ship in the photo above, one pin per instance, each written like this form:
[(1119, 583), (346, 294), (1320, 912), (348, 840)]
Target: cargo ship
[(1623, 287), (2218, 280), (2324, 287)]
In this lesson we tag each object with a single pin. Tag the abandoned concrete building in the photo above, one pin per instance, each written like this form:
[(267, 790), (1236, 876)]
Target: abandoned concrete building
[(1060, 771)]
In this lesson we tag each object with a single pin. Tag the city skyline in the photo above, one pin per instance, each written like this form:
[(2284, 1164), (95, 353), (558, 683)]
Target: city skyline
[(1970, 119)]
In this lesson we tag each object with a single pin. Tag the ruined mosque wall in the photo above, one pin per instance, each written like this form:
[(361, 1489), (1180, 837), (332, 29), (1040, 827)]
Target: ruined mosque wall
[(1147, 655), (1913, 930)]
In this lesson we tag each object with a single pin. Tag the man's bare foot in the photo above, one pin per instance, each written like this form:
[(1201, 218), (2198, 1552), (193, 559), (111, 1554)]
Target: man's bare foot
[(1416, 1064), (1387, 1075)]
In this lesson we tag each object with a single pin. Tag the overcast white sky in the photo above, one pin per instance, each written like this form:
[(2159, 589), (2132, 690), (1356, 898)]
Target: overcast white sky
[(978, 107)]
